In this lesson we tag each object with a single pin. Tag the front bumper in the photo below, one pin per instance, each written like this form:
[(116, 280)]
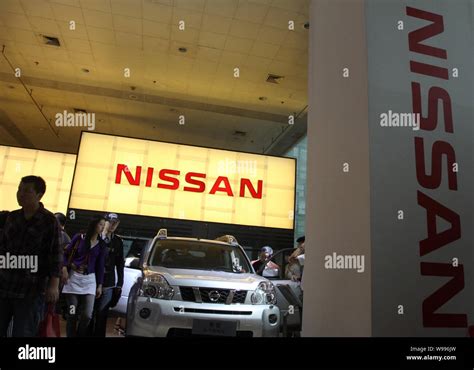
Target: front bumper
[(167, 316)]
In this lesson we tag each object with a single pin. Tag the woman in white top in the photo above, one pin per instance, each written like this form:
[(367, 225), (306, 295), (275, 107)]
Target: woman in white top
[(82, 276)]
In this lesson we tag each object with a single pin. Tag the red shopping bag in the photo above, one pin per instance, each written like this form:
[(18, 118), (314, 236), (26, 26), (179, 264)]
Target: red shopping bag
[(49, 327)]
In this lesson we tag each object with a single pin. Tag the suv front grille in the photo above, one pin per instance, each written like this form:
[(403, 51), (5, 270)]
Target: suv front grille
[(187, 294), (239, 296), (211, 295), (206, 295)]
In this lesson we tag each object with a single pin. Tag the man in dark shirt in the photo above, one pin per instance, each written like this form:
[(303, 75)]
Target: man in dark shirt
[(30, 261), (3, 219), (114, 261)]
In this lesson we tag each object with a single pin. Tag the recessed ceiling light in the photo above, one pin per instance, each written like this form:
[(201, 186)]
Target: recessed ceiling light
[(85, 70), (51, 40), (306, 25), (274, 79), (183, 50), (133, 88), (131, 96), (262, 98), (79, 110)]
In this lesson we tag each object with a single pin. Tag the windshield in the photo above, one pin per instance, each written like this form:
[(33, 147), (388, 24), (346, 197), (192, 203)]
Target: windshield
[(133, 247), (198, 255)]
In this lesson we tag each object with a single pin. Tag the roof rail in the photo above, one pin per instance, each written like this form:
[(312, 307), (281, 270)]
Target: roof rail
[(162, 233)]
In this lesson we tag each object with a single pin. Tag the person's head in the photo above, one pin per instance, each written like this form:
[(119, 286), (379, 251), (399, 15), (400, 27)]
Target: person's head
[(111, 222), (300, 242), (95, 227), (265, 253), (61, 219), (30, 191)]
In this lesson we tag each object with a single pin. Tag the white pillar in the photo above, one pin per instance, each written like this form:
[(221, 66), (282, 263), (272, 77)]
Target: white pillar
[(337, 302), (406, 202)]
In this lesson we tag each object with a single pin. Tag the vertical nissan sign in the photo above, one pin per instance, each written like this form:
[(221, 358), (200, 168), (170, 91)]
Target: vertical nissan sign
[(420, 60)]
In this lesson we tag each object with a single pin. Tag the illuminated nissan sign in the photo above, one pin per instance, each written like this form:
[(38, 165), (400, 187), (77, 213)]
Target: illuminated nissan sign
[(150, 178)]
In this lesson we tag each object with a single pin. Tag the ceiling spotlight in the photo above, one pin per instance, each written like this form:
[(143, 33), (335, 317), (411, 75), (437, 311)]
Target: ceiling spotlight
[(183, 50), (134, 97), (306, 25), (262, 98), (51, 40), (85, 70)]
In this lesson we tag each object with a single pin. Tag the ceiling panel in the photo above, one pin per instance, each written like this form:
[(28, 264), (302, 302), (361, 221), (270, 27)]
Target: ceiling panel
[(38, 8), (98, 19), (244, 29), (216, 24), (67, 13), (129, 8), (127, 24), (252, 12), (157, 12), (225, 8), (143, 35), (101, 5)]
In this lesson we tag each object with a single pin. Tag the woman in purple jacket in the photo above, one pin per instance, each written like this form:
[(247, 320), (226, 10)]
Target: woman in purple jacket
[(82, 276)]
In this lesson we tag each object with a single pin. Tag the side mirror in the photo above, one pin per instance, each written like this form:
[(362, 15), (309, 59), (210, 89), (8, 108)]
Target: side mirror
[(133, 263), (270, 273)]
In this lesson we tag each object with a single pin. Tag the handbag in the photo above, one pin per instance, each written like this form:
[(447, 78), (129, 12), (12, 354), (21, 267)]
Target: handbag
[(49, 327), (72, 253)]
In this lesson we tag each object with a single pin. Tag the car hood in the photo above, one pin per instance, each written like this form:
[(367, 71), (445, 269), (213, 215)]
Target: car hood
[(209, 279)]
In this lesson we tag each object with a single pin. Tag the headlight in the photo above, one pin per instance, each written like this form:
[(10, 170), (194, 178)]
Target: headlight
[(264, 294), (156, 286)]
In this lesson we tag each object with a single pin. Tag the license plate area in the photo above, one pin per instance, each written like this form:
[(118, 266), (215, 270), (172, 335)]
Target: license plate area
[(214, 328)]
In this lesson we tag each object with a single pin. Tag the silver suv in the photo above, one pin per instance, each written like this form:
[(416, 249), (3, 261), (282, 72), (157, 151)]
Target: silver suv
[(200, 287)]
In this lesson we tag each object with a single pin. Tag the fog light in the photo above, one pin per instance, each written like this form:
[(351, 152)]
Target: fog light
[(273, 318), (145, 313)]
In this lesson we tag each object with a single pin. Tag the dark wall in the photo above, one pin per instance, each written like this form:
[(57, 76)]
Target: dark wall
[(143, 226)]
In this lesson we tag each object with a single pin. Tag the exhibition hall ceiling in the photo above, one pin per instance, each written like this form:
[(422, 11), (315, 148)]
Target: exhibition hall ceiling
[(141, 65)]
